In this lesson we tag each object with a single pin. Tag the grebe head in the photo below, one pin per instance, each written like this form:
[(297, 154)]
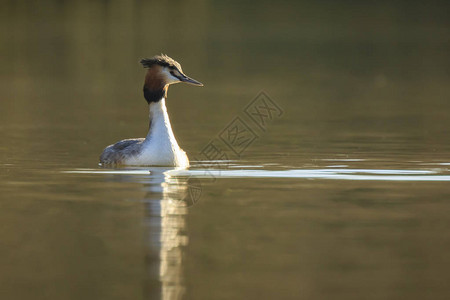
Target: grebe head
[(162, 71)]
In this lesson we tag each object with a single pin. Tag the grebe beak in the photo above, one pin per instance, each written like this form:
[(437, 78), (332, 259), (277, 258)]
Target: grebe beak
[(184, 78)]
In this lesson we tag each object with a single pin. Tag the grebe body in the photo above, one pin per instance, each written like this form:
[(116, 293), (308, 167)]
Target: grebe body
[(159, 148)]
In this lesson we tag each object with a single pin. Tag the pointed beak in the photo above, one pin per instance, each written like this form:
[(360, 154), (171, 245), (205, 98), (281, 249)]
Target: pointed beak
[(187, 79)]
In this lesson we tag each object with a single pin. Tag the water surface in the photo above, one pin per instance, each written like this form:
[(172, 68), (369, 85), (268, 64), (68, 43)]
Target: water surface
[(343, 194)]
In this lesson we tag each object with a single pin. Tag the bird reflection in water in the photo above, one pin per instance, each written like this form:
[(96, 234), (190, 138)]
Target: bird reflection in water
[(166, 201)]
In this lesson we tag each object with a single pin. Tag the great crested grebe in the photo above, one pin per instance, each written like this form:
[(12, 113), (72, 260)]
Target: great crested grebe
[(159, 148)]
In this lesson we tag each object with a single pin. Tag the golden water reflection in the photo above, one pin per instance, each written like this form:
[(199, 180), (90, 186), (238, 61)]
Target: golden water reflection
[(166, 202)]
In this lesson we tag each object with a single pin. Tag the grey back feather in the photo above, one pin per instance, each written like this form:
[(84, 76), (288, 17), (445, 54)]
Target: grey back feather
[(116, 153)]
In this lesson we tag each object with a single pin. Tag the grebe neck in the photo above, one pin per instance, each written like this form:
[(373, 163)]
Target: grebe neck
[(160, 129)]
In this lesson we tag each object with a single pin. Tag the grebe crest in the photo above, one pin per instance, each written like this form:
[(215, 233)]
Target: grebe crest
[(159, 148)]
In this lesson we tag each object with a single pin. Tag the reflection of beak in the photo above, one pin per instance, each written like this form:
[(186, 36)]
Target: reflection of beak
[(184, 78)]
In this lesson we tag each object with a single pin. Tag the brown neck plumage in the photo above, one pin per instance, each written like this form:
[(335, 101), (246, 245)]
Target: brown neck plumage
[(155, 87)]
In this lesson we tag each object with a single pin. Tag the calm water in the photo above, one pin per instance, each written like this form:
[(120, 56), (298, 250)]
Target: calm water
[(343, 193)]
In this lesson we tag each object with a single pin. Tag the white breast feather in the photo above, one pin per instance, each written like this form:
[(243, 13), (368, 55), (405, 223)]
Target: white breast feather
[(160, 146)]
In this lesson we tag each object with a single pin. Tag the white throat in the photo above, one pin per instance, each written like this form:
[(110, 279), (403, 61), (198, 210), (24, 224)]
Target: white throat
[(160, 128), (160, 146)]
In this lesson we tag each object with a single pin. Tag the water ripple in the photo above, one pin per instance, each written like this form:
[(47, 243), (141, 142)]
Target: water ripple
[(329, 173)]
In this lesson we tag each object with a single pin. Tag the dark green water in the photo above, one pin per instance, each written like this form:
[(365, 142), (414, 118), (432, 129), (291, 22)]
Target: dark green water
[(342, 195)]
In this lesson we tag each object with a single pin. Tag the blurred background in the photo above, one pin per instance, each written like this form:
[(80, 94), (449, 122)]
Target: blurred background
[(356, 79), (378, 70)]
